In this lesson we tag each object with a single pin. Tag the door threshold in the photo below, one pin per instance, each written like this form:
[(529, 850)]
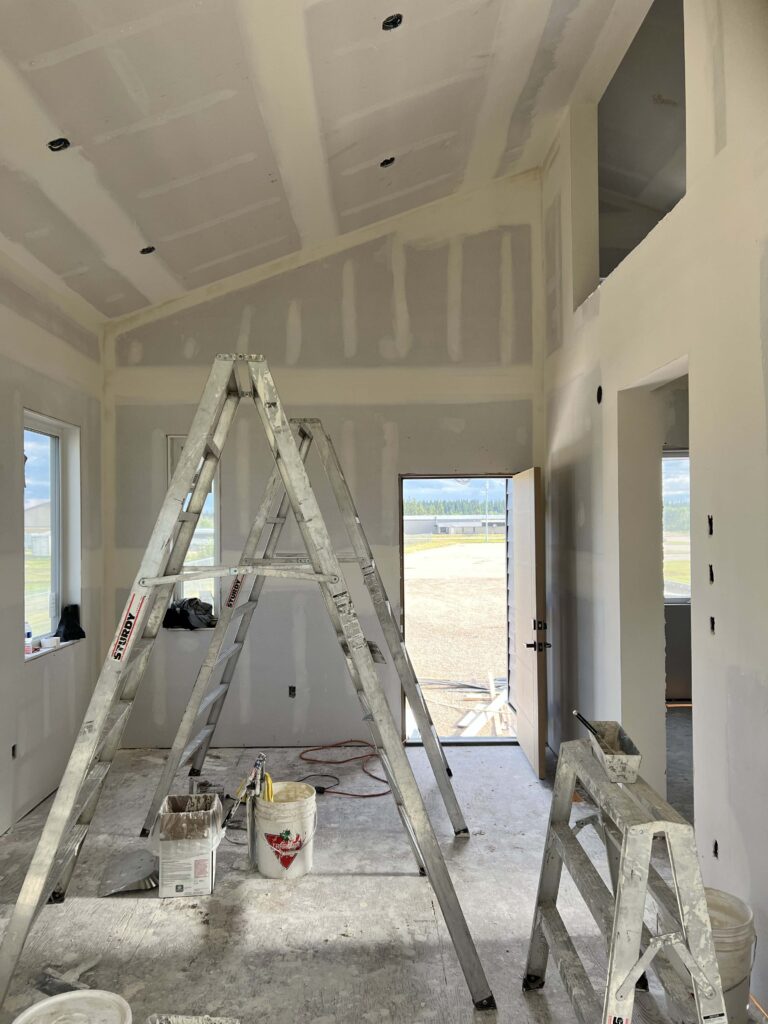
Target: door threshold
[(470, 741)]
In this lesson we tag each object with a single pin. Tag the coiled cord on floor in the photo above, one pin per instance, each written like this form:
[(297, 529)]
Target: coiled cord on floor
[(364, 759)]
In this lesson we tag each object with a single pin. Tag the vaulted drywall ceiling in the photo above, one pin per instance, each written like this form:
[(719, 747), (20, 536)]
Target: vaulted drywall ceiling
[(227, 133)]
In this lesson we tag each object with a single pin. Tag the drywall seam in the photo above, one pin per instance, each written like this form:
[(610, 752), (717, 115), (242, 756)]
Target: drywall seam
[(504, 201), (108, 482), (72, 184), (275, 37), (27, 343), (314, 386)]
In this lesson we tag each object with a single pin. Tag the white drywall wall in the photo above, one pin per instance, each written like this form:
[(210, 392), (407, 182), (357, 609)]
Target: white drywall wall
[(415, 344), (694, 294), (52, 366)]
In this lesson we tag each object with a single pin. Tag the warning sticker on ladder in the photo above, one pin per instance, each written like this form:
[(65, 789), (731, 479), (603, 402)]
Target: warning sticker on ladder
[(127, 628)]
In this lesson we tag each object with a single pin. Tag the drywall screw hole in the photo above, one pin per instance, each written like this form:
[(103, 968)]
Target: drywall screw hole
[(13, 751), (393, 21)]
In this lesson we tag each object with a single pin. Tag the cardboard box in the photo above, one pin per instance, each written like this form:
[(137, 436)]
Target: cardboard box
[(189, 830)]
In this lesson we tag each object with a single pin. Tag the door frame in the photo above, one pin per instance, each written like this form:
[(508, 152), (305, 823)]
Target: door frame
[(451, 741)]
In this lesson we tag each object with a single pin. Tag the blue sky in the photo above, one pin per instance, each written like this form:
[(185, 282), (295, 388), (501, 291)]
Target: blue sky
[(452, 489), (37, 473), (676, 480)]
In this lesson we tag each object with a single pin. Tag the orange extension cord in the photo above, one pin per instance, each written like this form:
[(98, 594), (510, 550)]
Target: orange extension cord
[(364, 760)]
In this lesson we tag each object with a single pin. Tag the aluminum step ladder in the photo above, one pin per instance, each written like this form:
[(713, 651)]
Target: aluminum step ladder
[(236, 614), (232, 378), (629, 815)]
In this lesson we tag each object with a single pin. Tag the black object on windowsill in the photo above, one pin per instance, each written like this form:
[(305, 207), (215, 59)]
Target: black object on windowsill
[(69, 627), (191, 613)]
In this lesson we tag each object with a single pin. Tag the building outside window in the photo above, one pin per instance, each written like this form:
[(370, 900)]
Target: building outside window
[(676, 500), (42, 525), (204, 547)]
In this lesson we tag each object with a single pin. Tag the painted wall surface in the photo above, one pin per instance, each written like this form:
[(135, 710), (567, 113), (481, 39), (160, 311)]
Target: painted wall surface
[(693, 297), (51, 365), (415, 345)]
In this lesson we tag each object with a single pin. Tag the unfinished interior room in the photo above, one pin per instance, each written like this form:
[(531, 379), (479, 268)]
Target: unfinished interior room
[(384, 511)]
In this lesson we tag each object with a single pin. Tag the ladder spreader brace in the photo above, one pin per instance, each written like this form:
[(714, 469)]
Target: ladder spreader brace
[(629, 815), (161, 568)]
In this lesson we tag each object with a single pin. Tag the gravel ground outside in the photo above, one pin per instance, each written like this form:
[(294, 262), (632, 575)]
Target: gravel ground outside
[(455, 619)]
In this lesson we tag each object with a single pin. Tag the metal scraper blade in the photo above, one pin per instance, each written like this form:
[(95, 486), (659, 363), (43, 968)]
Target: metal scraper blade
[(130, 872)]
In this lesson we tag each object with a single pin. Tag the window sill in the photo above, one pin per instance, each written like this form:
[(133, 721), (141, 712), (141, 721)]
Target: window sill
[(51, 650)]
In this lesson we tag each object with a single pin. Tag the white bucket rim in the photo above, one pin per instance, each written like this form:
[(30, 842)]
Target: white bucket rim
[(281, 789), (102, 999)]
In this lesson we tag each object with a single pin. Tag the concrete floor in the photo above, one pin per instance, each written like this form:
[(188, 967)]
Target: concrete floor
[(680, 760), (361, 939)]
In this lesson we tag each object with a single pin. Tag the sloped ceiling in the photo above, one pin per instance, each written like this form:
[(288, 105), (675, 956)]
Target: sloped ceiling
[(228, 133)]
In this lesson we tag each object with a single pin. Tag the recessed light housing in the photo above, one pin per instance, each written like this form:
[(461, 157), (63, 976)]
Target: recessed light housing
[(147, 250), (393, 21), (387, 161), (57, 145)]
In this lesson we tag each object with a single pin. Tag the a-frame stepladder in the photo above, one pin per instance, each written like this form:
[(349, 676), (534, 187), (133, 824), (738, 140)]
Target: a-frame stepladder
[(106, 717), (629, 815)]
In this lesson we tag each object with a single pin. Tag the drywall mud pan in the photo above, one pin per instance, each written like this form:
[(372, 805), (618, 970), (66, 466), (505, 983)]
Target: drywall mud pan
[(616, 752)]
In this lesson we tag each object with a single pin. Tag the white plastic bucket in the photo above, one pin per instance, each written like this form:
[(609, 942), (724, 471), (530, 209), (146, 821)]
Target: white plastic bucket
[(733, 933), (285, 830), (86, 1006)]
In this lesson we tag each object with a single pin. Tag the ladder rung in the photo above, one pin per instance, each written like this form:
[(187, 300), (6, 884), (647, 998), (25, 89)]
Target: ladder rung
[(140, 646), (211, 698), (241, 609), (227, 653), (67, 852), (188, 517), (572, 972), (194, 745), (586, 877), (118, 714), (275, 520), (212, 448), (93, 780)]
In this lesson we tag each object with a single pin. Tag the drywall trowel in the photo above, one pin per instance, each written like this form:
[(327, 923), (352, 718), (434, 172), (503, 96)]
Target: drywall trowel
[(130, 872)]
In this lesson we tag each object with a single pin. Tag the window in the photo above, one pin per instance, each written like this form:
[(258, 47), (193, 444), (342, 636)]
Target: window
[(676, 500), (42, 536), (204, 547), (51, 521)]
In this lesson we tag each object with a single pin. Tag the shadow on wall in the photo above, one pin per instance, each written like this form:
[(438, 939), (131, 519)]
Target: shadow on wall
[(573, 510)]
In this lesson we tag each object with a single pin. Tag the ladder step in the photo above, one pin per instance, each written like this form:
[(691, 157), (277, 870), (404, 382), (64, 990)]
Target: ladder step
[(211, 698), (241, 609), (194, 745), (188, 517), (275, 520), (92, 782), (117, 717), (575, 979), (227, 653), (67, 852), (212, 448)]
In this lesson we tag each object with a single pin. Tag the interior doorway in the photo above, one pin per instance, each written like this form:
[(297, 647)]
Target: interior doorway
[(456, 554), (676, 504)]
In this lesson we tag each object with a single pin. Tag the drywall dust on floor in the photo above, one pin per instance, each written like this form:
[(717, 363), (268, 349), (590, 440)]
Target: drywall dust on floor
[(359, 939)]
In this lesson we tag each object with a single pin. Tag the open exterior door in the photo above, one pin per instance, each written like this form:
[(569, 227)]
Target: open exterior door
[(528, 643)]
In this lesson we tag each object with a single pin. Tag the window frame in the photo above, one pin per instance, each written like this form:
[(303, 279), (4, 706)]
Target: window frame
[(216, 489), (34, 423), (674, 453)]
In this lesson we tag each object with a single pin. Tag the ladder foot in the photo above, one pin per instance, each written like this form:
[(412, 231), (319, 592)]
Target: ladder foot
[(449, 771), (422, 872), (642, 983), (489, 1003), (194, 772), (57, 896), (462, 833), (532, 982), (144, 833)]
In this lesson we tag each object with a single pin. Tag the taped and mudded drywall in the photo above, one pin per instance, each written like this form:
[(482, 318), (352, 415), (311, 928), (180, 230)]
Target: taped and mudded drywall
[(44, 700), (690, 299)]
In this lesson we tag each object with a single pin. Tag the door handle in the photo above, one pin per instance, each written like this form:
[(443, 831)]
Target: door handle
[(531, 645)]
